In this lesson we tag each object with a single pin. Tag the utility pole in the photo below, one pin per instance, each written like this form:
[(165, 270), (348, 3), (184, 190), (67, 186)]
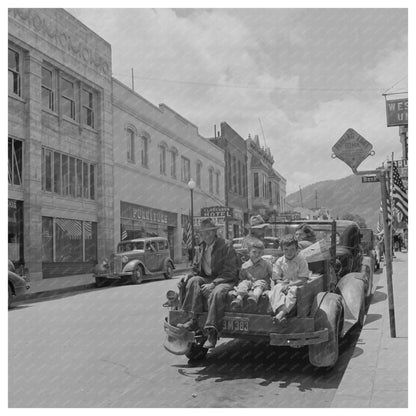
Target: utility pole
[(132, 79), (316, 199), (300, 193)]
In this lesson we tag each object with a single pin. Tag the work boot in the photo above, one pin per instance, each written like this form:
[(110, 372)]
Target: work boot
[(236, 304), (211, 341)]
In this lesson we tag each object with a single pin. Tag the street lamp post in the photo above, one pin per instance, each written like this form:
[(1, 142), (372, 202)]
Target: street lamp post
[(191, 186)]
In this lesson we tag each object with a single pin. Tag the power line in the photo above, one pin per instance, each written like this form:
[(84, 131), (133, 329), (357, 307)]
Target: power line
[(400, 80), (254, 87)]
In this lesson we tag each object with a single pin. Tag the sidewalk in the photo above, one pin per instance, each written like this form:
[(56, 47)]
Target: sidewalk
[(66, 284), (377, 374)]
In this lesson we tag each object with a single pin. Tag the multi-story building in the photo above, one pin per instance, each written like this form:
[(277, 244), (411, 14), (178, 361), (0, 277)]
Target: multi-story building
[(236, 191), (156, 153), (89, 158), (264, 189)]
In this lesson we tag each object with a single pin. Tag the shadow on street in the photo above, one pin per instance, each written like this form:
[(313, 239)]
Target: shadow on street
[(285, 366)]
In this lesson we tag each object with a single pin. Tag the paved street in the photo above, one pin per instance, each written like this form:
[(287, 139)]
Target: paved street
[(103, 348)]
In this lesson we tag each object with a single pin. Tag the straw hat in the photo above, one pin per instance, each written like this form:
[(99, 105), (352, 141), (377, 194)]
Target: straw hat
[(257, 221)]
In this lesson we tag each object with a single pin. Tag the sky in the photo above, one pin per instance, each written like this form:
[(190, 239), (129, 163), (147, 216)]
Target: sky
[(298, 78)]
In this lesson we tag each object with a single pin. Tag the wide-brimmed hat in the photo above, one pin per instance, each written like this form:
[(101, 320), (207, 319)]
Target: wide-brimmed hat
[(257, 221), (208, 225)]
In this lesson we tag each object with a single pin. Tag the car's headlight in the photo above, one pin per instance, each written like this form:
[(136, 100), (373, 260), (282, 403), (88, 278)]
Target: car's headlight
[(125, 259)]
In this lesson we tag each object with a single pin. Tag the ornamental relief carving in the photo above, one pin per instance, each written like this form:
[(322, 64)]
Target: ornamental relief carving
[(64, 40)]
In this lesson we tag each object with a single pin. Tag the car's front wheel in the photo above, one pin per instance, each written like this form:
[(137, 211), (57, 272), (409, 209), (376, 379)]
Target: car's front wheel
[(137, 276), (169, 271)]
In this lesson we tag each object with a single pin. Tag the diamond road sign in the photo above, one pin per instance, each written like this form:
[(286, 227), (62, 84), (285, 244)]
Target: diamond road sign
[(352, 148)]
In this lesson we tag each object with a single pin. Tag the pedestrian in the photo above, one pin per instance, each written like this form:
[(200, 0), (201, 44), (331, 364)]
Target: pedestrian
[(289, 271), (305, 235), (257, 231), (214, 274), (255, 278)]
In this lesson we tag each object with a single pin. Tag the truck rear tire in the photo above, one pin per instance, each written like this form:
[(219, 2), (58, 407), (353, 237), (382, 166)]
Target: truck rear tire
[(327, 312)]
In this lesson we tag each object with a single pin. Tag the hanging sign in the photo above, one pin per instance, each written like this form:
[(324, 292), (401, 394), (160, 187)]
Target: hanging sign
[(352, 148), (397, 112)]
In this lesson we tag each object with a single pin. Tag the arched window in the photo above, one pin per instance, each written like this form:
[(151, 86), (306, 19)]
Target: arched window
[(198, 173), (162, 157), (144, 148), (211, 179), (173, 161), (131, 143), (217, 182)]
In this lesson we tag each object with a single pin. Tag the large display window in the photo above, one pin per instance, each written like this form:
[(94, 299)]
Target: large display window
[(67, 240)]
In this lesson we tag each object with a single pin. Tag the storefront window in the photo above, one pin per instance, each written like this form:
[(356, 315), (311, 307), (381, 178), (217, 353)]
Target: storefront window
[(68, 235), (70, 240), (90, 238)]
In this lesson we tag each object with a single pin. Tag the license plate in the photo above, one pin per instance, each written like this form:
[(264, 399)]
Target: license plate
[(235, 324)]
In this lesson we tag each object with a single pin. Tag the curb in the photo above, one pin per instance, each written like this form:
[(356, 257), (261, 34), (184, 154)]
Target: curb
[(77, 288)]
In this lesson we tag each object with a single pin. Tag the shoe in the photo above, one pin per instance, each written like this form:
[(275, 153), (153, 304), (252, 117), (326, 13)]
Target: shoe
[(236, 304), (211, 341), (188, 325)]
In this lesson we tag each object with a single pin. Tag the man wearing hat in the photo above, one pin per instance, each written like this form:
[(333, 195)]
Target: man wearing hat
[(257, 231), (214, 274)]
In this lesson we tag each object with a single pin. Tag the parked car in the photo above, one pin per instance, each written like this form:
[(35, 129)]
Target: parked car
[(136, 260), (368, 243), (18, 283), (328, 305)]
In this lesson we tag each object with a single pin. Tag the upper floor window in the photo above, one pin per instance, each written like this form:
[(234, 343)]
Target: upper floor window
[(256, 184), (162, 159), (173, 157), (234, 174), (15, 151), (130, 145), (144, 141), (198, 173), (211, 180), (217, 183), (67, 175), (87, 112), (239, 178), (14, 72), (185, 169), (48, 94), (68, 98)]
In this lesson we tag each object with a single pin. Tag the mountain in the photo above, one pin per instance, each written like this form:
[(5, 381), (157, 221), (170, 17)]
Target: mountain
[(342, 196)]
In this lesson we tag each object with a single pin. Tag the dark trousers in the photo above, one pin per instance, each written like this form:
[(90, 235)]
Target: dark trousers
[(195, 302)]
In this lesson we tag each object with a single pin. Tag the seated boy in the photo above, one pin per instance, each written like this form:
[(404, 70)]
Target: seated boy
[(289, 271), (255, 278)]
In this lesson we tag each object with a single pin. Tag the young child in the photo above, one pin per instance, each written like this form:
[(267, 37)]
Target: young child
[(255, 278), (291, 270)]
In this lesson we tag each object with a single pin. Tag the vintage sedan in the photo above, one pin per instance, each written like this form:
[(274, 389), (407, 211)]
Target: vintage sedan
[(18, 283), (136, 260)]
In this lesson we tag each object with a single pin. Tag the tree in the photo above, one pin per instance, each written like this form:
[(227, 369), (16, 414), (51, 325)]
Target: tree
[(356, 218)]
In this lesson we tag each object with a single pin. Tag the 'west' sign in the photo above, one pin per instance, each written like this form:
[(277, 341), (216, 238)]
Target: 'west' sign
[(397, 112)]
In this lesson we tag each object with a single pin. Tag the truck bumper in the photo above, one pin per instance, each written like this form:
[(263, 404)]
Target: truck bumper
[(299, 339)]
